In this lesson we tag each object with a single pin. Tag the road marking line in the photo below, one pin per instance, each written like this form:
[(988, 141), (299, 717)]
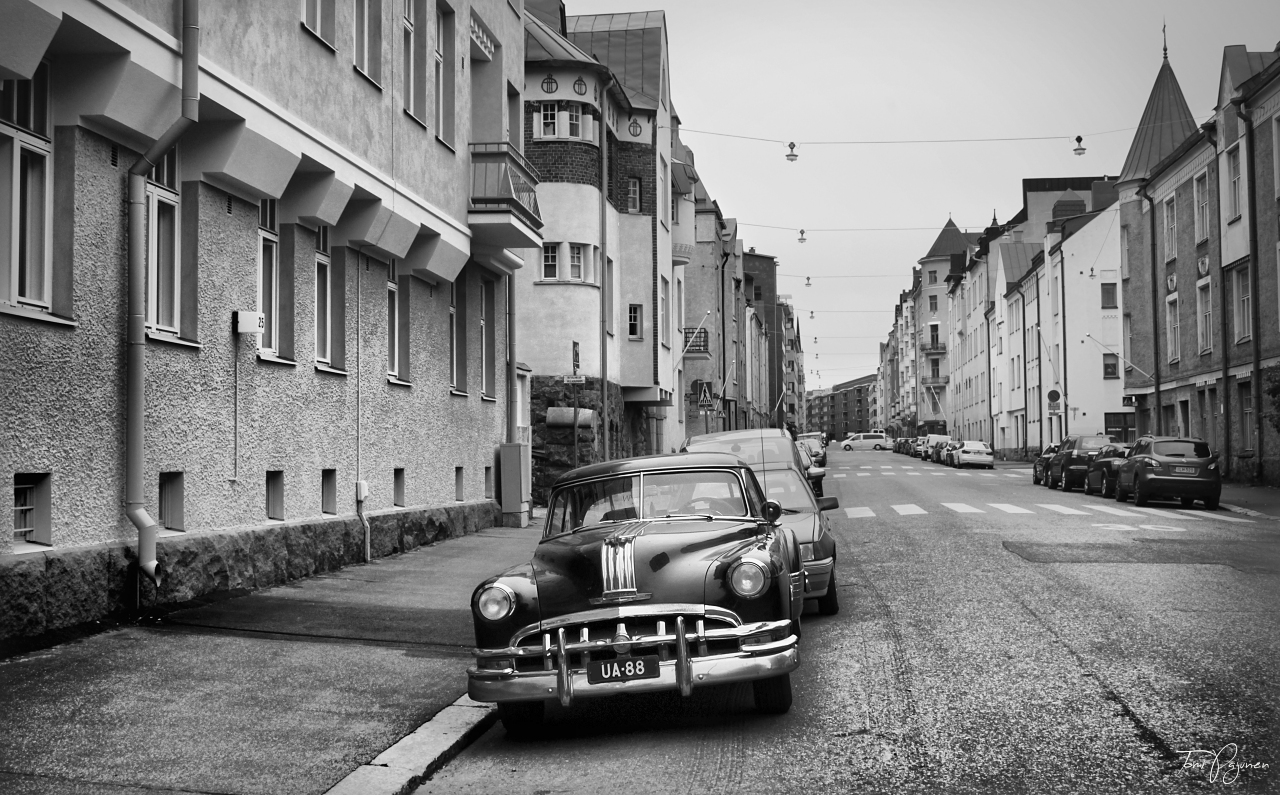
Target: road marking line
[(1112, 511), (1063, 509), (965, 474), (1013, 476), (1166, 514), (907, 467), (988, 474), (866, 467), (907, 510), (1007, 508), (1216, 516), (859, 513), (885, 466), (888, 473), (937, 473), (839, 475), (914, 473), (864, 474), (960, 507)]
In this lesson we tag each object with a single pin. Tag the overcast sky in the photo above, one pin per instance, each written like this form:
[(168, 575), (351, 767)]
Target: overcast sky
[(874, 71)]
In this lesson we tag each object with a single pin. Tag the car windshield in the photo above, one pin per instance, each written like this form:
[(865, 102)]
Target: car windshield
[(752, 451), (789, 489), (813, 445), (1095, 442), (1182, 449), (645, 496)]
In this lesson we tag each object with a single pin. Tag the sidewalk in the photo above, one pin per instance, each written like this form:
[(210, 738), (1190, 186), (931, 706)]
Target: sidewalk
[(292, 689), (1258, 501)]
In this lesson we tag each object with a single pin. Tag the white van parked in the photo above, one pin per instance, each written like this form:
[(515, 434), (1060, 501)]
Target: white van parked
[(866, 441)]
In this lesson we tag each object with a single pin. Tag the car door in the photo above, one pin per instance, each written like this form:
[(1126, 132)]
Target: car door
[(1125, 473)]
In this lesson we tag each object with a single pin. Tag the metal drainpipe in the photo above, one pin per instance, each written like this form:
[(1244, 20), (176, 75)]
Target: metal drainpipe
[(1039, 368), (604, 273), (1225, 462), (1254, 311), (135, 373), (1062, 268), (1157, 409), (512, 405)]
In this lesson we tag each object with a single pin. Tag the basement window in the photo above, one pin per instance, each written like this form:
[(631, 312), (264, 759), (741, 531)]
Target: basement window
[(275, 494), (171, 501), (31, 509)]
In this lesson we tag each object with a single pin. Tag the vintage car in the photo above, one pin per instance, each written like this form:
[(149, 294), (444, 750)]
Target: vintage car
[(653, 573)]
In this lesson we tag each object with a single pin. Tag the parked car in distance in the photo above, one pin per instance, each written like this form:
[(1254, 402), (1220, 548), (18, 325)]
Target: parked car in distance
[(757, 446), (816, 450), (1068, 466), (1101, 476), (973, 454), (812, 471), (654, 573), (947, 457), (931, 443), (1171, 467), (1040, 468), (865, 441), (917, 450), (821, 437)]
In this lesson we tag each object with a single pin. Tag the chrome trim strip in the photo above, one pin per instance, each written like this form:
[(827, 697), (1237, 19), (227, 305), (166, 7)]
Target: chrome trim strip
[(684, 672), (624, 611), (564, 682)]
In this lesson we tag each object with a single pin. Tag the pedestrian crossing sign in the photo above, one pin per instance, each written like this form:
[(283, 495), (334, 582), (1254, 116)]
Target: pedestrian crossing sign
[(704, 400)]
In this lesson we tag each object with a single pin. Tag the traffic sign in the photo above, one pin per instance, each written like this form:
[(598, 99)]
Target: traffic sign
[(575, 379), (704, 401)]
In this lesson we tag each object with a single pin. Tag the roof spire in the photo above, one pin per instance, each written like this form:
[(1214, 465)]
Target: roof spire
[(994, 222), (1164, 33)]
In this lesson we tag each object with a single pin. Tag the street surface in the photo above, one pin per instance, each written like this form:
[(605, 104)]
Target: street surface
[(994, 636)]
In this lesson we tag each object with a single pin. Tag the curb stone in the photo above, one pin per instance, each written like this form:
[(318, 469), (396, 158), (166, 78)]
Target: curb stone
[(420, 754), (1248, 512)]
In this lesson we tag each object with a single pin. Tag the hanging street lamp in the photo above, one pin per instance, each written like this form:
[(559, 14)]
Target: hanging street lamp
[(791, 156), (1079, 150)]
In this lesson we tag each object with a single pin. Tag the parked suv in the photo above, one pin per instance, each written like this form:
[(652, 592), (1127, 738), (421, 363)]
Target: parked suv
[(865, 441), (1068, 466), (1172, 467)]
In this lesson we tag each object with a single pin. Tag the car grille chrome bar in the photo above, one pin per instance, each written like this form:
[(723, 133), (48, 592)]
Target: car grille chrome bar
[(697, 640)]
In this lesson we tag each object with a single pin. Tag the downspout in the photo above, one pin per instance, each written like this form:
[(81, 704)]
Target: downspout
[(1039, 367), (512, 404), (1225, 461), (1022, 328), (604, 273), (724, 380), (1062, 268), (135, 427), (1255, 318), (1157, 409)]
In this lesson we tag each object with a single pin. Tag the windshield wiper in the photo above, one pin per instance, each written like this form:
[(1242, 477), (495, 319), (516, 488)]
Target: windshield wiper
[(706, 516), (791, 510)]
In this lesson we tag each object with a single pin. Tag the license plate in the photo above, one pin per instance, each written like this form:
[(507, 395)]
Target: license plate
[(1185, 470), (623, 669)]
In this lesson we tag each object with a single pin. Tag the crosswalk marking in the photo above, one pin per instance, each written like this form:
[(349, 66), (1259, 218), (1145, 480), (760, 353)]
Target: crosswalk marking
[(913, 473), (864, 474), (965, 474), (960, 507), (1222, 518), (889, 473), (1063, 509), (1166, 514), (988, 474), (1012, 475), (907, 510), (1007, 508), (859, 513), (907, 467), (866, 467), (1112, 511), (840, 475), (886, 466)]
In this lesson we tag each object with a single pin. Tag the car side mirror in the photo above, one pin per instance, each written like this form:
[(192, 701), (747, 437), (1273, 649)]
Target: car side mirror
[(828, 503), (772, 511), (816, 473)]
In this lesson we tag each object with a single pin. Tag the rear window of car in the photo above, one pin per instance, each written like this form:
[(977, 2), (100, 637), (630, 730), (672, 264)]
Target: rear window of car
[(1182, 449), (1095, 442), (752, 451), (976, 446), (875, 437)]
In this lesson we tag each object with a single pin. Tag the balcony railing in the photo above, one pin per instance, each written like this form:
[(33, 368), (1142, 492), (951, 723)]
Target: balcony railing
[(682, 251), (502, 180), (934, 380), (933, 347), (696, 341)]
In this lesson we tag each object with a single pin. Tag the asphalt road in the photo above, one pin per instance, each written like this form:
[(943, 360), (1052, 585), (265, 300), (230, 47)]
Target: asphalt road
[(994, 637)]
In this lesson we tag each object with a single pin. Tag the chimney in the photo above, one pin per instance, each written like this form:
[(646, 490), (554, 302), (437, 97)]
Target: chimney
[(1016, 234), (751, 250)]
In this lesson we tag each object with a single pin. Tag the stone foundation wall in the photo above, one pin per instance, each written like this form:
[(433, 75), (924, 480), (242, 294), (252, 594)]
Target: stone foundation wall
[(553, 447), (65, 587)]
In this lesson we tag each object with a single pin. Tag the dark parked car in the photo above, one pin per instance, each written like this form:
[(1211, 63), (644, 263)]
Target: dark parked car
[(653, 573), (765, 451), (1068, 466), (1040, 469), (816, 450), (1170, 467), (803, 515), (1101, 476)]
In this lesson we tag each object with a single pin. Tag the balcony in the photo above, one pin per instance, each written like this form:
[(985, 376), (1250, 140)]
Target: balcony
[(697, 344), (934, 380), (933, 346), (504, 199), (681, 253)]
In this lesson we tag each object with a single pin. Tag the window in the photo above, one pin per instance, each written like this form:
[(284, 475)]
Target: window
[(1128, 342), (269, 276), (414, 57), (550, 256), (26, 192), (1234, 199), (1204, 316), (575, 261), (32, 508), (1170, 228), (1054, 297), (1246, 415), (164, 277), (1244, 307), (368, 39), (1110, 365), (1171, 327), (1109, 295), (397, 324), (458, 492), (397, 487), (933, 277), (1201, 190), (635, 321), (458, 332), (757, 293), (318, 17), (575, 120), (548, 119), (664, 294), (324, 297), (1124, 252), (608, 293), (664, 202), (454, 364), (171, 501), (275, 494), (933, 303), (633, 195), (488, 336), (444, 72), (488, 483), (675, 212), (328, 491)]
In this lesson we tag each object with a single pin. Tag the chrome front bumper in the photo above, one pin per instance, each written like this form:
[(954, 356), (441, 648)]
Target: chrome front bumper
[(758, 660)]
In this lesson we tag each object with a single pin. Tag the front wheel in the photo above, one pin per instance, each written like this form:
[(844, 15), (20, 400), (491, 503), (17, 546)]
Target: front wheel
[(1066, 481), (878, 447), (829, 602), (1035, 477), (521, 719), (773, 695), (1108, 487), (1088, 486), (1121, 494)]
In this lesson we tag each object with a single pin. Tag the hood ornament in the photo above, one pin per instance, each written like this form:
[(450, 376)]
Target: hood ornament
[(618, 567)]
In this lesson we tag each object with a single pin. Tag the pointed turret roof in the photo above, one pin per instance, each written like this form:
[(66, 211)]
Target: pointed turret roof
[(1166, 123), (950, 241)]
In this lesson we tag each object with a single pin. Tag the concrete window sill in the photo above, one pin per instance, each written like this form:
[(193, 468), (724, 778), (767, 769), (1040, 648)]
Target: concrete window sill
[(16, 310), (169, 339), (391, 379), (264, 356)]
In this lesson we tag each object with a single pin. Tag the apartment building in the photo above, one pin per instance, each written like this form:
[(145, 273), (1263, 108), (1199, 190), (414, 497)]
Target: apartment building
[(933, 321)]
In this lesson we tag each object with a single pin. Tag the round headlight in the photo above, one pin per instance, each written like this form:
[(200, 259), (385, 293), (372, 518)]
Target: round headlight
[(495, 602), (748, 579)]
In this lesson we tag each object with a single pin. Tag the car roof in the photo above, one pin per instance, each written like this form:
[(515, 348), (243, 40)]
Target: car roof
[(1172, 438), (652, 462), (745, 433)]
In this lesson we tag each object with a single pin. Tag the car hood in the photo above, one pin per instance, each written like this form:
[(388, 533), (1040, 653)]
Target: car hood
[(669, 560)]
